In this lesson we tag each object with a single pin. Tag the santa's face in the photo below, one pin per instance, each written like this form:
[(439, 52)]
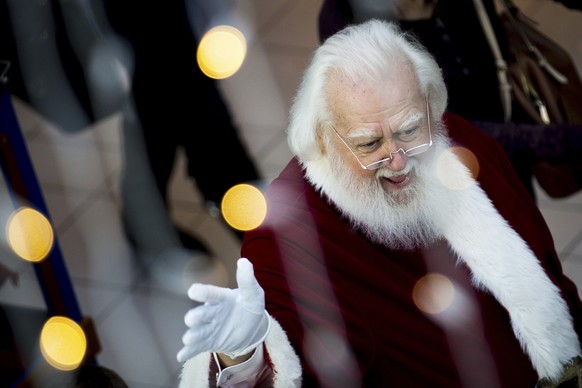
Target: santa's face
[(379, 128), (386, 190)]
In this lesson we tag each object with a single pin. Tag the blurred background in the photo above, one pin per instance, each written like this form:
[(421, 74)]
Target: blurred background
[(72, 149)]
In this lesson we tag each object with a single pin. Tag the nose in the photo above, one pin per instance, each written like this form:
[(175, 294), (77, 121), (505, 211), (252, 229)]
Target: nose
[(399, 160)]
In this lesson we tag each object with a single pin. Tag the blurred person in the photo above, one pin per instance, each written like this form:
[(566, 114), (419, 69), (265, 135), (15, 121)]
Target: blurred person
[(400, 248), (79, 62), (86, 376), (175, 106), (451, 30)]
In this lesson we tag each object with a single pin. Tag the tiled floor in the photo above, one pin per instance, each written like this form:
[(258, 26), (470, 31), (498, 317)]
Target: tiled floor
[(138, 319)]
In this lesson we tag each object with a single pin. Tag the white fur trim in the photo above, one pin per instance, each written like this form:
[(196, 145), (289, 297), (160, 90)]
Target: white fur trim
[(286, 365), (501, 262), (195, 372)]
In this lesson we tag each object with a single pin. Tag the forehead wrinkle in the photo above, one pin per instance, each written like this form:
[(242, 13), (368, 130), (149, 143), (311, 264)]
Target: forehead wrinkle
[(346, 98)]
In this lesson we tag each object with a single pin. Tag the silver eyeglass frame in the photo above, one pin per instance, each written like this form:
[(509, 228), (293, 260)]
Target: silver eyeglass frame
[(386, 161)]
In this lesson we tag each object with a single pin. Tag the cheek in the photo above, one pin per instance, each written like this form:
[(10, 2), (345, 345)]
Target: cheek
[(346, 159), (343, 160), (355, 168)]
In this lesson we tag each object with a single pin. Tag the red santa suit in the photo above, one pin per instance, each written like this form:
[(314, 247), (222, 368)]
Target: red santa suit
[(349, 313)]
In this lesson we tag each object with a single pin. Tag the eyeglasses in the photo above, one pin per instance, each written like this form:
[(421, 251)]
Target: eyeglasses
[(412, 137)]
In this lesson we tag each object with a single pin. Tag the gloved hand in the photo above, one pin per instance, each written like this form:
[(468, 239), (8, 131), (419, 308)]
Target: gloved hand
[(233, 322)]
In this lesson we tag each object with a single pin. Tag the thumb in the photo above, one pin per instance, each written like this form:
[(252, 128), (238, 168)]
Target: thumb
[(247, 283)]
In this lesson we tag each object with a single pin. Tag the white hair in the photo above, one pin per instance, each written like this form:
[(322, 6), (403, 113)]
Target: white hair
[(371, 49)]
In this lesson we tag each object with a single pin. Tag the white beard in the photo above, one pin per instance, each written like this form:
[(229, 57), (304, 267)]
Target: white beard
[(406, 218)]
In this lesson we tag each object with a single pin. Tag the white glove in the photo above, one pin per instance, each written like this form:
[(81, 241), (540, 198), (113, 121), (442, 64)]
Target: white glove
[(233, 322)]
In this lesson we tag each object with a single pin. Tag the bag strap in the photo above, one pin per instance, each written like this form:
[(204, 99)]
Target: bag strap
[(510, 8), (500, 63)]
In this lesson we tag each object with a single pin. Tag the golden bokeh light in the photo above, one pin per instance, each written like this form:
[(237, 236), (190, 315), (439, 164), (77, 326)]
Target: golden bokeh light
[(221, 52), (468, 158), (433, 293), (244, 207), (63, 343), (30, 234)]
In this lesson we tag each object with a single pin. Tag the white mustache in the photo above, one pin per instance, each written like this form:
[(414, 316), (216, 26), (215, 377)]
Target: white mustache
[(385, 172)]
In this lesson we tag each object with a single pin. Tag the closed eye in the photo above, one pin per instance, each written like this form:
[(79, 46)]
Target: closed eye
[(369, 146), (409, 134)]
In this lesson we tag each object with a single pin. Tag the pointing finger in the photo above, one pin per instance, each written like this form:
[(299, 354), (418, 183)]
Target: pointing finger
[(207, 293)]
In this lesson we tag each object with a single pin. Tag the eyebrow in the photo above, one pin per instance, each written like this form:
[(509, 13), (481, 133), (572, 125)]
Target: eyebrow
[(361, 132), (413, 119)]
